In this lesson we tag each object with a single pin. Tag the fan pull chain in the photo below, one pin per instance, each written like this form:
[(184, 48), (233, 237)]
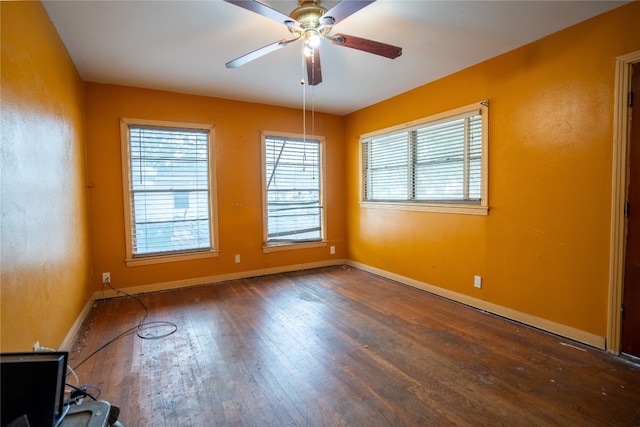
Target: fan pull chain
[(313, 92), (313, 98), (304, 136), (304, 99)]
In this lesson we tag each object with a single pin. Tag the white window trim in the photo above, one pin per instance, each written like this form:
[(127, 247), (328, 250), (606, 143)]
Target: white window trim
[(293, 246), (450, 207), (126, 181), (277, 247)]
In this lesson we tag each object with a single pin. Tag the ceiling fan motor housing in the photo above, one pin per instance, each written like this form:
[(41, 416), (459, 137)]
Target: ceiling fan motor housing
[(308, 15)]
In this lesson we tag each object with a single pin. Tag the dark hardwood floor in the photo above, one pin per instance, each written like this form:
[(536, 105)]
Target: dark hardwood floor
[(340, 347)]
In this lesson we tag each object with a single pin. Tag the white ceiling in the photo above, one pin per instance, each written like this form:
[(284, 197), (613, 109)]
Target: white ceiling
[(182, 46)]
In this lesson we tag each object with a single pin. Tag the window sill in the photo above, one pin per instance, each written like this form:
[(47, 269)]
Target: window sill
[(134, 262), (429, 207), (292, 246)]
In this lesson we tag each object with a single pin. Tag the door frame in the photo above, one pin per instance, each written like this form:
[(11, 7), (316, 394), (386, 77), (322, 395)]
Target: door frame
[(619, 189)]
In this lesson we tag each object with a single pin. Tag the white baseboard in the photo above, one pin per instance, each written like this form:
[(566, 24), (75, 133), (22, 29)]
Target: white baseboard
[(75, 328), (528, 319), (176, 284)]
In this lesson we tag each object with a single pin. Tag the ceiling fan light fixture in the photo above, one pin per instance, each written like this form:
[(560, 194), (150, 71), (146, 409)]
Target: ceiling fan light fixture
[(312, 39), (308, 51)]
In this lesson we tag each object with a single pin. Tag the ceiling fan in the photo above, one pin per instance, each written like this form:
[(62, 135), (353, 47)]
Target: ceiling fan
[(310, 22)]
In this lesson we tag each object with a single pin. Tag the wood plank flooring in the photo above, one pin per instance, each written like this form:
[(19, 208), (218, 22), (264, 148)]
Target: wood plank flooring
[(341, 347)]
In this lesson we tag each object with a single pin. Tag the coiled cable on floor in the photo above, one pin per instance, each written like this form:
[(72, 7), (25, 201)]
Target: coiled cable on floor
[(141, 330)]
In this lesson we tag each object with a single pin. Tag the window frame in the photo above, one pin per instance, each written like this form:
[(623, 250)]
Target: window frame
[(125, 145), (455, 207), (284, 246)]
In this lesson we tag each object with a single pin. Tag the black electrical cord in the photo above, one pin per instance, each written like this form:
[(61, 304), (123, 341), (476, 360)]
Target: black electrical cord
[(142, 326), (82, 392), (118, 291)]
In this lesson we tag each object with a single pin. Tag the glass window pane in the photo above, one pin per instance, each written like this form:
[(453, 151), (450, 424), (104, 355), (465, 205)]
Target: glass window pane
[(169, 190), (387, 168), (434, 162), (293, 182)]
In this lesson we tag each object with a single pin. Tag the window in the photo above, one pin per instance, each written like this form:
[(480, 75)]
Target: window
[(292, 189), (437, 163), (169, 195)]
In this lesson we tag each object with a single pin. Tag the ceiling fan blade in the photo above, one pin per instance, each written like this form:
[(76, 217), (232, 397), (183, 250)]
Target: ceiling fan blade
[(262, 9), (314, 73), (366, 45), (259, 52), (343, 10)]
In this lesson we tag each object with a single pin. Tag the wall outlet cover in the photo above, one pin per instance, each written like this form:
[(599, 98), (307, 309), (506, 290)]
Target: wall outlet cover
[(477, 281)]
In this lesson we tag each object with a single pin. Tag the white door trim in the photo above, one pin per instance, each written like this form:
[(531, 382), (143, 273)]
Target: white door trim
[(619, 185)]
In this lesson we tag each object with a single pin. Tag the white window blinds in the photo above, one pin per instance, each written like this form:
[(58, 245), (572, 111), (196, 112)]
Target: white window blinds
[(435, 162), (387, 165), (169, 190), (293, 190)]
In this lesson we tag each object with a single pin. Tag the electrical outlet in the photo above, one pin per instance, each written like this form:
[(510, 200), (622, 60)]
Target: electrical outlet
[(332, 250), (106, 277), (477, 281), (237, 258)]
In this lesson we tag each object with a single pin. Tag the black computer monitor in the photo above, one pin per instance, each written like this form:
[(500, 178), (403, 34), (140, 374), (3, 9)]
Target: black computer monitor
[(33, 385)]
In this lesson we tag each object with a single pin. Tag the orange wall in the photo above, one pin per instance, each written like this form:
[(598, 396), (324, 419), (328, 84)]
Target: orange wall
[(544, 247), (45, 251), (237, 136)]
